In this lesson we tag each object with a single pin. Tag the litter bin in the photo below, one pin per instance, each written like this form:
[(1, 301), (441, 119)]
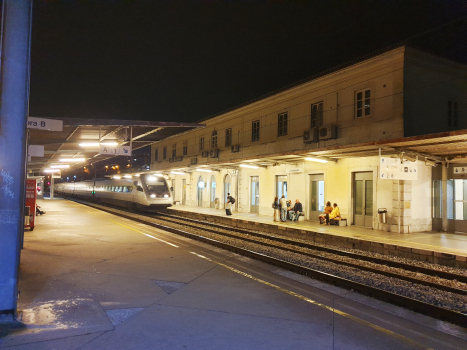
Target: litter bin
[(382, 215)]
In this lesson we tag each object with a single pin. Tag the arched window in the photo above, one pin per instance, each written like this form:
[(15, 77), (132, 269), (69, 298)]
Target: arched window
[(214, 139)]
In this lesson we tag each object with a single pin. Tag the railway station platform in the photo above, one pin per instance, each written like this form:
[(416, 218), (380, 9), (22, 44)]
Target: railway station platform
[(439, 247), (94, 280)]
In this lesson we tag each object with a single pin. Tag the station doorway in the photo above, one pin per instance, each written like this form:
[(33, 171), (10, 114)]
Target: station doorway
[(317, 196), (184, 192), (363, 199), (200, 191), (254, 199), (281, 186), (173, 189), (213, 191), (227, 187)]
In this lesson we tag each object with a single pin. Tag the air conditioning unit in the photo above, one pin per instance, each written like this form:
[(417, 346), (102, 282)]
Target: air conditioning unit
[(235, 148), (171, 160), (311, 135), (194, 161), (214, 153), (178, 159), (205, 154), (328, 132)]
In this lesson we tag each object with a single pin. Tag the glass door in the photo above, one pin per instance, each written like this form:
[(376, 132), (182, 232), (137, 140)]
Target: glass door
[(317, 196), (254, 199), (200, 191), (227, 188), (363, 199), (281, 186), (459, 201), (184, 192), (213, 191)]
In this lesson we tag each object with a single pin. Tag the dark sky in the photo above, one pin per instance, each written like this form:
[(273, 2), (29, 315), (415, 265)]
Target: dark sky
[(185, 61)]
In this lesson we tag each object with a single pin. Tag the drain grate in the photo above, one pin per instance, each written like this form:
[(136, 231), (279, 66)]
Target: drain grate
[(168, 286), (117, 316)]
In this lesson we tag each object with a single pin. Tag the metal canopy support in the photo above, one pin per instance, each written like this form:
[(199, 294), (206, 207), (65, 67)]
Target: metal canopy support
[(15, 53)]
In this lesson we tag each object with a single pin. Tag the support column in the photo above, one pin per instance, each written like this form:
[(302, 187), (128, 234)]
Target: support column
[(52, 181), (444, 190), (15, 52)]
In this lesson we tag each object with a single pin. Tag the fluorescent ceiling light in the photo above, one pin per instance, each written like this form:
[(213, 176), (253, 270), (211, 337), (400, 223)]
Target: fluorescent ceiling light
[(116, 177), (318, 160), (89, 144), (249, 166), (73, 160), (60, 166), (51, 170), (109, 143), (136, 175), (204, 170), (127, 176), (177, 173)]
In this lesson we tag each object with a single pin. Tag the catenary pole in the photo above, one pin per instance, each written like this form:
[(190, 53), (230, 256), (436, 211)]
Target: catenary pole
[(14, 87)]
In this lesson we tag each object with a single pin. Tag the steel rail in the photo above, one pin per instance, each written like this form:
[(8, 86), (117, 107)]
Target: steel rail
[(400, 265)]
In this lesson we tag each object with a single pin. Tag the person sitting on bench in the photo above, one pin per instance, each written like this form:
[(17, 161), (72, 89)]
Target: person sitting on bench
[(335, 216), (324, 218), (297, 211)]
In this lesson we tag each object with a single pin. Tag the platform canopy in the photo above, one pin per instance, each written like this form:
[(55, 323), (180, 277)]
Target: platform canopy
[(65, 144), (446, 147)]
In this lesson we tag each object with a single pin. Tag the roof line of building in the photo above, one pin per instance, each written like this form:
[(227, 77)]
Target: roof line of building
[(119, 122)]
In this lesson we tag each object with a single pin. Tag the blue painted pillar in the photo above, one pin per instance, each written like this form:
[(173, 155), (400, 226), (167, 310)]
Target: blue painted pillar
[(14, 95)]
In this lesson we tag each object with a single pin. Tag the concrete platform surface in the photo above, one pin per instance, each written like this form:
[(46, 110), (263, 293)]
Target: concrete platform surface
[(92, 280), (447, 243)]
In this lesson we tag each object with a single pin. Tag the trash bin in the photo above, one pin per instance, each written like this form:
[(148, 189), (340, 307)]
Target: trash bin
[(382, 212)]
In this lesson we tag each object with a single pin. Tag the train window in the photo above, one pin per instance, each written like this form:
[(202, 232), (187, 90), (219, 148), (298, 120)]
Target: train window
[(113, 189), (125, 189), (139, 188)]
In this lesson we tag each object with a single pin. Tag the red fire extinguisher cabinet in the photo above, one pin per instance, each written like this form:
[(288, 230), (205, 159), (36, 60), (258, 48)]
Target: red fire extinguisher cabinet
[(30, 210)]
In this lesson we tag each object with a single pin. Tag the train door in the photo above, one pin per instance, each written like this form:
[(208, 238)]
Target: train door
[(254, 198), (227, 187), (201, 185), (317, 196), (281, 186), (184, 192), (363, 199), (213, 191)]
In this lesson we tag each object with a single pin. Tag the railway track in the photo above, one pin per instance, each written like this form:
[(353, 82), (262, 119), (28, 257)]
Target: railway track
[(402, 284)]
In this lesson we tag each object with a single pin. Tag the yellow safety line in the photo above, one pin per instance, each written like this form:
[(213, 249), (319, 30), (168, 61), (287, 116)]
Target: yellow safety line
[(336, 311)]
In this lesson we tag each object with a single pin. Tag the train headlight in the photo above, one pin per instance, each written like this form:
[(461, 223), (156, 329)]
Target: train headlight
[(152, 196), (166, 196)]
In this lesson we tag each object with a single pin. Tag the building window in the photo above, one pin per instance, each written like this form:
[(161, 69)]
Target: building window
[(228, 137), (201, 143), (164, 153), (363, 103), (317, 114), (452, 113), (214, 139), (174, 151), (255, 131), (156, 154), (185, 148), (282, 124)]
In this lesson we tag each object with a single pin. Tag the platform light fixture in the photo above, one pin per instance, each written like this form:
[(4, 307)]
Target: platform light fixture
[(97, 144), (249, 166), (204, 170), (318, 160), (51, 170), (116, 177), (127, 176), (60, 166), (177, 173), (76, 160)]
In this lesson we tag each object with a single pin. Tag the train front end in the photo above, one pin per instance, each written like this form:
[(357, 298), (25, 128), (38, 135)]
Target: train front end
[(158, 192)]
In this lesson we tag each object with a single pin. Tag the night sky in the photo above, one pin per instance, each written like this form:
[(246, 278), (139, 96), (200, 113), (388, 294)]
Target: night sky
[(186, 61)]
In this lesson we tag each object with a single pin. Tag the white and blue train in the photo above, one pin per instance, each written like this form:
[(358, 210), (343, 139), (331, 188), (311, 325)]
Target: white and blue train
[(145, 192)]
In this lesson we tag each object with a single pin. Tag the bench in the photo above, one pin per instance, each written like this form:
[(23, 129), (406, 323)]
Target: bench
[(341, 222)]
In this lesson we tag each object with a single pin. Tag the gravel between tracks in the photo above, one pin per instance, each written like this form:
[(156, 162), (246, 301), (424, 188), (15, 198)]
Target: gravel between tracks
[(412, 290)]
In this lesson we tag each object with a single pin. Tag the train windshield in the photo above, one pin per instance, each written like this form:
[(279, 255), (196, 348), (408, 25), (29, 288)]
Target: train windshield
[(157, 186)]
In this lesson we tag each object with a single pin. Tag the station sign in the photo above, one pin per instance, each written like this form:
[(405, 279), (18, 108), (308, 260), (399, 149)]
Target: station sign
[(115, 150), (35, 151), (45, 124), (394, 169)]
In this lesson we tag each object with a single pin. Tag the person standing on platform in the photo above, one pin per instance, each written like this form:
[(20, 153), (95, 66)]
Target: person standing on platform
[(228, 204), (283, 204), (277, 207)]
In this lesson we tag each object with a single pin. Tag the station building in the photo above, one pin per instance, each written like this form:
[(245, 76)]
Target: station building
[(324, 138)]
